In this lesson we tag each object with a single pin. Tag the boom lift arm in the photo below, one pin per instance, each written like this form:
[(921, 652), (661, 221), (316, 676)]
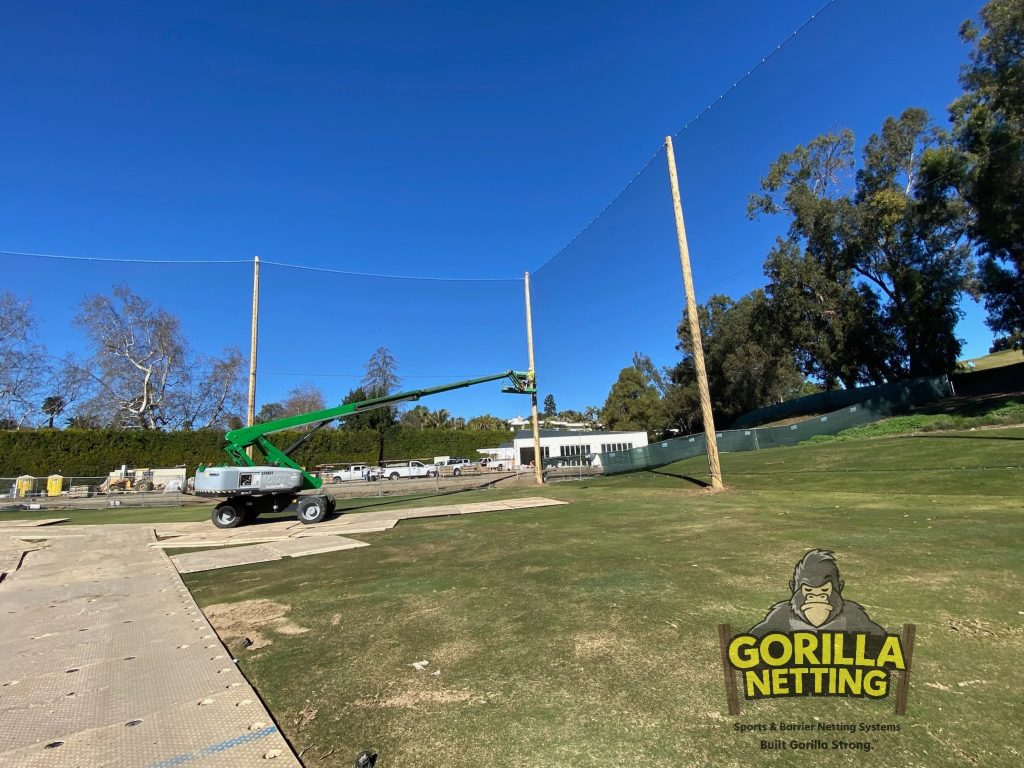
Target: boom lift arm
[(238, 440)]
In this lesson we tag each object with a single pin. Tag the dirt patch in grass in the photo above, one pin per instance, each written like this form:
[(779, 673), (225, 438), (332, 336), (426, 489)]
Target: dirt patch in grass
[(452, 652), (980, 628), (413, 699), (252, 619), (588, 645)]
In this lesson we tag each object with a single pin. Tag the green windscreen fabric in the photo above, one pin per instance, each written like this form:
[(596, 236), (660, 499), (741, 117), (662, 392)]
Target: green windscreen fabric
[(893, 400), (899, 393)]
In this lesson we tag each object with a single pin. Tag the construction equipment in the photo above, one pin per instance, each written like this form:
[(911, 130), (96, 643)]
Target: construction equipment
[(252, 489)]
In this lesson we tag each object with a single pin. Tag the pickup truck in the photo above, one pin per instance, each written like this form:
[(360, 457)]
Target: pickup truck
[(395, 470), (495, 464), (351, 472), (457, 466)]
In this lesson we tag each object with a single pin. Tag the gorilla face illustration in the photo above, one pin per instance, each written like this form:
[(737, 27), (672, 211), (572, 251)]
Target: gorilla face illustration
[(817, 604)]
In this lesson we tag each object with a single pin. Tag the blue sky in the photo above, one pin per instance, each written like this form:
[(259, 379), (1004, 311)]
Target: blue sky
[(471, 141)]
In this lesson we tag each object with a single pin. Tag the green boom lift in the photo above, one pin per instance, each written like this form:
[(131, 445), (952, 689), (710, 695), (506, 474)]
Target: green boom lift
[(276, 484)]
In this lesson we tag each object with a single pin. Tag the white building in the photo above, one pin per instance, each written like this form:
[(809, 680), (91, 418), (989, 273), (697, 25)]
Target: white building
[(555, 443)]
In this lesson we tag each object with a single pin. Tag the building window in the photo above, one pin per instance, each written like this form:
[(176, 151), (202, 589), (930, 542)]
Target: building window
[(573, 450), (607, 447)]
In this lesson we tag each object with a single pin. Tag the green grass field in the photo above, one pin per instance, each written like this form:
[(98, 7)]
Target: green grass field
[(584, 635), (996, 359)]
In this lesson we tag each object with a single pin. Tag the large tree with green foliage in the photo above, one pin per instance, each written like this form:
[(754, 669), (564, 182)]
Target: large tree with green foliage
[(830, 325), (633, 404), (988, 129), (550, 409), (894, 245), (747, 363)]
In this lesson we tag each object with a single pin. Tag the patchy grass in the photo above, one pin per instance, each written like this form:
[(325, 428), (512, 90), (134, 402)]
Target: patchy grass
[(584, 635)]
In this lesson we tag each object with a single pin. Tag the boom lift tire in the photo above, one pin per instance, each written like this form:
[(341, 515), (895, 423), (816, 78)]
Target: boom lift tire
[(312, 509), (226, 516)]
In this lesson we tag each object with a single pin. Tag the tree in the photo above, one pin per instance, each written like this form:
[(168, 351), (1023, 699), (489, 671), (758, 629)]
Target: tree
[(747, 364), (654, 377), (381, 379), (439, 419), (415, 417), (84, 421), (304, 398), (1004, 343), (22, 363), (633, 404), (210, 393), (988, 127), (897, 241), (137, 354), (53, 406), (833, 326), (486, 422), (270, 412), (381, 376), (571, 416), (550, 410), (143, 372)]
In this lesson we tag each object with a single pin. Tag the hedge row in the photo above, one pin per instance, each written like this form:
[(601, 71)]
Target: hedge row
[(95, 452)]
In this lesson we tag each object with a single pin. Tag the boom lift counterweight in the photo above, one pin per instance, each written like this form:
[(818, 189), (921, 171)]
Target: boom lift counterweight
[(252, 489)]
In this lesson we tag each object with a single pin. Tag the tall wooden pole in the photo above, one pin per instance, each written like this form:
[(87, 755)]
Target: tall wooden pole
[(694, 322), (537, 471), (251, 413)]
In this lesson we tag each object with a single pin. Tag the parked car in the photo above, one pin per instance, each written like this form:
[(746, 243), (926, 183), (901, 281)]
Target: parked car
[(496, 464), (351, 472), (458, 465), (395, 470)]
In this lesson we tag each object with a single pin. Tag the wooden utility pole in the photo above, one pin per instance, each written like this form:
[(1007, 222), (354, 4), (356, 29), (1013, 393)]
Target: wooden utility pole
[(694, 323), (251, 412), (537, 471)]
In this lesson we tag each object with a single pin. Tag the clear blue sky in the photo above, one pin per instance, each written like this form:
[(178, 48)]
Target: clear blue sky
[(436, 139)]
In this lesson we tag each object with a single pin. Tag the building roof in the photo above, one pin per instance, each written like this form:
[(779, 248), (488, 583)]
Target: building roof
[(525, 433)]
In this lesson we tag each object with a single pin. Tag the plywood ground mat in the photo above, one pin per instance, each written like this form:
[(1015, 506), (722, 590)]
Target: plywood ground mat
[(106, 660), (273, 540)]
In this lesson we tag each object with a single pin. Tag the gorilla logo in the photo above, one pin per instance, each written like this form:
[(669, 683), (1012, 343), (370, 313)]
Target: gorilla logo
[(817, 603)]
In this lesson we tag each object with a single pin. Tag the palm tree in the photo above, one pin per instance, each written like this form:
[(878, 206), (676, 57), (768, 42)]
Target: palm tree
[(438, 419)]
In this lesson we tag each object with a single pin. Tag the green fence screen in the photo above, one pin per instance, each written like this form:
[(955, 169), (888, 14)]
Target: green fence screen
[(887, 402)]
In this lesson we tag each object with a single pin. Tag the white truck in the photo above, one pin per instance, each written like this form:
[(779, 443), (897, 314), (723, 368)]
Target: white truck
[(352, 472), (496, 465), (393, 470)]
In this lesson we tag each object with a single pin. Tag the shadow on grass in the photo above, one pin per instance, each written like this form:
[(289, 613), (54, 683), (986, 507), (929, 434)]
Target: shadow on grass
[(687, 478)]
